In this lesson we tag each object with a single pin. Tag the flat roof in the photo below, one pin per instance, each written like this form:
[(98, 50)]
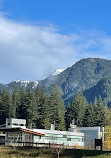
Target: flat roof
[(41, 132), (44, 131), (89, 128), (2, 135)]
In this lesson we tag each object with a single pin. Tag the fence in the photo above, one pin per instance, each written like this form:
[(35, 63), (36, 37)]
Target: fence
[(88, 144), (32, 144)]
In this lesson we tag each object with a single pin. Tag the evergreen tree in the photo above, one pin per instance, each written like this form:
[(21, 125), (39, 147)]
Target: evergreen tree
[(47, 113), (68, 116), (15, 102), (5, 106), (40, 100), (29, 107), (79, 106), (99, 117), (21, 112), (89, 116), (34, 109), (57, 109)]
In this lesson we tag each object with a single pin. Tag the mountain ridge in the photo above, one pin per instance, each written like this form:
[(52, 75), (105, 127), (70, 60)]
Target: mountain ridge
[(81, 76), (88, 75)]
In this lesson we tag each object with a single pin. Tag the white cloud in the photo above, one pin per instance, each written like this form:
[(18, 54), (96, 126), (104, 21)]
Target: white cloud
[(30, 52)]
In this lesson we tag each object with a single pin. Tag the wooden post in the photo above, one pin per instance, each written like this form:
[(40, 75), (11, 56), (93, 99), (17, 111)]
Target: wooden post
[(63, 145), (49, 144), (101, 144)]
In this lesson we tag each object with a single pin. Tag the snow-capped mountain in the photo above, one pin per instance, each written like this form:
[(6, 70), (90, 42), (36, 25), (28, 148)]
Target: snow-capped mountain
[(25, 83), (18, 84)]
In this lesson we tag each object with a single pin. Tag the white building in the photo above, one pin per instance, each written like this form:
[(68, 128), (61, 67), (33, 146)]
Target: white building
[(90, 134), (12, 122), (16, 132)]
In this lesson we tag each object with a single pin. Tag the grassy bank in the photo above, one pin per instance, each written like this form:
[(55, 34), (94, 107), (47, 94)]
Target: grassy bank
[(9, 152)]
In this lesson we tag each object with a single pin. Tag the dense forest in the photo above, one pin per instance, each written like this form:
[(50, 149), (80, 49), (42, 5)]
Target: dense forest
[(40, 109)]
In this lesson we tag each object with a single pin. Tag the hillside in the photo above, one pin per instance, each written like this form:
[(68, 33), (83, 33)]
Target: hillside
[(18, 84), (103, 88), (83, 75), (91, 75)]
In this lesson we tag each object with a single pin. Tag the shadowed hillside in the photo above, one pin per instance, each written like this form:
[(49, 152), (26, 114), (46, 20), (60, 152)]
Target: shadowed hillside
[(83, 75)]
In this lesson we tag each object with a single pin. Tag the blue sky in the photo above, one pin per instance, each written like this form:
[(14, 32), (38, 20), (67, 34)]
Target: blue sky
[(39, 36), (69, 15)]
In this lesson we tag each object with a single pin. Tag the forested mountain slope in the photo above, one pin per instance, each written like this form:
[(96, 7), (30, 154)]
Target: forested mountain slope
[(102, 88), (91, 75), (83, 75)]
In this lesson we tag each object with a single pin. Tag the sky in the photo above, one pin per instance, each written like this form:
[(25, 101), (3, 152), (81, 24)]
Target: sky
[(39, 36)]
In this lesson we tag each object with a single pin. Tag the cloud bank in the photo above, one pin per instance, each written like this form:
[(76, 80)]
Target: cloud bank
[(31, 52)]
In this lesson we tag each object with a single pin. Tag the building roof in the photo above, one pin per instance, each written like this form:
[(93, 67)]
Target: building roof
[(2, 135), (44, 131), (32, 132), (15, 129), (41, 132)]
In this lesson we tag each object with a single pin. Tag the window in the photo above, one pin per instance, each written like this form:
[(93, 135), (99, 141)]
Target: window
[(15, 136), (15, 124), (64, 136), (68, 139), (21, 124)]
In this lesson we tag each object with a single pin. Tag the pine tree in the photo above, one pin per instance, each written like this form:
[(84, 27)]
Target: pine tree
[(15, 102), (99, 117), (40, 100), (3, 114), (79, 106), (89, 116), (5, 106), (57, 109), (29, 107), (34, 109), (21, 111), (68, 116), (47, 113)]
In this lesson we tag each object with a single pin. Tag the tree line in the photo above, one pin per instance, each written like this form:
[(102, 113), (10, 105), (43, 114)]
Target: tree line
[(40, 109), (88, 115), (35, 106)]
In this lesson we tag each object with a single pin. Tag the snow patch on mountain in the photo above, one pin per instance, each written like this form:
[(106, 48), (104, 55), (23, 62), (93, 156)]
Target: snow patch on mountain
[(17, 81), (26, 82), (22, 81), (58, 71), (36, 83)]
